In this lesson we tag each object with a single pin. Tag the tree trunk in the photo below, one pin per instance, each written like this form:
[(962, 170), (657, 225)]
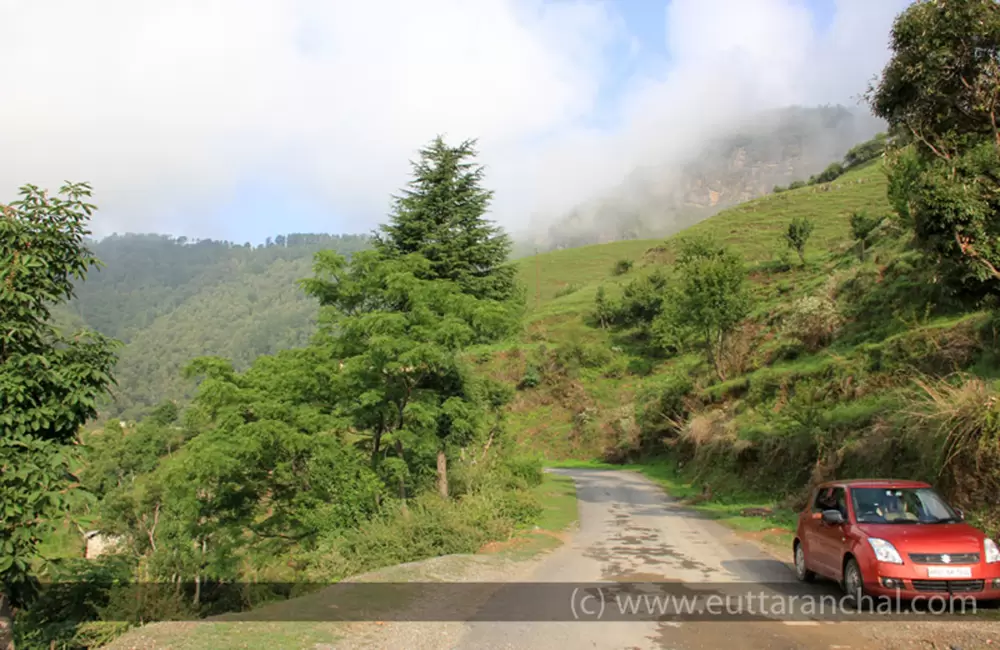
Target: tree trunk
[(6, 623), (442, 472)]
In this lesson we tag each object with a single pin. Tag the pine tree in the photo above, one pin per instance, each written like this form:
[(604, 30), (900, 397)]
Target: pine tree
[(441, 215)]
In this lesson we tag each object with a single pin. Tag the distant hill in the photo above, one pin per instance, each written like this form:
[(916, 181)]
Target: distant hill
[(170, 300), (771, 149)]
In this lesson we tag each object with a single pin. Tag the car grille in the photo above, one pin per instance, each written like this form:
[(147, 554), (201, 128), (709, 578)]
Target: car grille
[(953, 558), (948, 586)]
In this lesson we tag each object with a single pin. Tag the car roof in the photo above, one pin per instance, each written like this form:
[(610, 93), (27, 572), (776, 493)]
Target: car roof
[(876, 482)]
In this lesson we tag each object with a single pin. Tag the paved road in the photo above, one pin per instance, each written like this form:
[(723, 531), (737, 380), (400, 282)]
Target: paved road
[(630, 531)]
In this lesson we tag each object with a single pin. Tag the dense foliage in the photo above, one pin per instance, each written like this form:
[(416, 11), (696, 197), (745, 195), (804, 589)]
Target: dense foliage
[(941, 92), (49, 384)]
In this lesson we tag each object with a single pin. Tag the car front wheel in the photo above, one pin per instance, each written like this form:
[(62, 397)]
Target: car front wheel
[(801, 572), (854, 583)]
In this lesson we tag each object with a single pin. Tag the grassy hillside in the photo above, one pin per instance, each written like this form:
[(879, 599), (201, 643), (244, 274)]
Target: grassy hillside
[(882, 398)]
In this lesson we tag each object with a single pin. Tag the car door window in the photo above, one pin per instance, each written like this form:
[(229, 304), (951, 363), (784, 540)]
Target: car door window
[(832, 498), (839, 498), (823, 500)]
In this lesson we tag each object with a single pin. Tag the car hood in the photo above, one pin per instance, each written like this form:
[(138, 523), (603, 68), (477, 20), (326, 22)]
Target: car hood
[(928, 538)]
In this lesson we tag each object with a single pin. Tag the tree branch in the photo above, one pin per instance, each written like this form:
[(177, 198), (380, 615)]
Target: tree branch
[(965, 245), (917, 135)]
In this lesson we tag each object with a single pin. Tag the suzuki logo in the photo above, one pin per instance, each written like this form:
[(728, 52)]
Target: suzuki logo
[(946, 558)]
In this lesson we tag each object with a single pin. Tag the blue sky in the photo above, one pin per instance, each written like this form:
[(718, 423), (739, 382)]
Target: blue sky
[(243, 119)]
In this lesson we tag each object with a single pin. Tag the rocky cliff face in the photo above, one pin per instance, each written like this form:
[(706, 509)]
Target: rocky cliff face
[(772, 149)]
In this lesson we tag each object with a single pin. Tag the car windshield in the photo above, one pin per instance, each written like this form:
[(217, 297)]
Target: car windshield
[(901, 506)]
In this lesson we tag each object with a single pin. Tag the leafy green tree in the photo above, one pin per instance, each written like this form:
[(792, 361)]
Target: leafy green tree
[(940, 92), (713, 298), (397, 335), (49, 384), (863, 227), (263, 466), (441, 215), (797, 235)]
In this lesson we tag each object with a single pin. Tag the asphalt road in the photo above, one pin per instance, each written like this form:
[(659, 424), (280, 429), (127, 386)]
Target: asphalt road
[(630, 531)]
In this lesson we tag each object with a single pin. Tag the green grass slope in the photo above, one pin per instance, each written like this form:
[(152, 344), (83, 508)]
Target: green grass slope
[(880, 399)]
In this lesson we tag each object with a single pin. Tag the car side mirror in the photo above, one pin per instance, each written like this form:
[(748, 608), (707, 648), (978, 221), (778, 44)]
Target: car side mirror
[(832, 517), (961, 515)]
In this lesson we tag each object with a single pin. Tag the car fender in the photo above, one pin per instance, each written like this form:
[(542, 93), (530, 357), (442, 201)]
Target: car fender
[(858, 547)]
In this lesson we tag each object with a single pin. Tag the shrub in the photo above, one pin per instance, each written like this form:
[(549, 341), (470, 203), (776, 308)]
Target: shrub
[(814, 321), (574, 355), (831, 173), (642, 300), (622, 267), (796, 185), (624, 442), (661, 408), (532, 377), (641, 366), (958, 424), (604, 309), (567, 290), (617, 369), (778, 189)]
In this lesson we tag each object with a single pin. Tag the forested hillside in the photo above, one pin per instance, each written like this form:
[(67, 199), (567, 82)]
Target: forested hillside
[(170, 300)]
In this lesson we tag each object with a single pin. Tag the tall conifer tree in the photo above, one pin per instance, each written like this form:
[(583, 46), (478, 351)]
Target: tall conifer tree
[(442, 216)]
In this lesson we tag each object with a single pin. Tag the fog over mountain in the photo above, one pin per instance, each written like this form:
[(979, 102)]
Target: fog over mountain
[(770, 149), (236, 119)]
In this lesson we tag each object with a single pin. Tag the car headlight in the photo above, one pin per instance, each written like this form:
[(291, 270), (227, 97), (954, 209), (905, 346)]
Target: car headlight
[(885, 551), (992, 552)]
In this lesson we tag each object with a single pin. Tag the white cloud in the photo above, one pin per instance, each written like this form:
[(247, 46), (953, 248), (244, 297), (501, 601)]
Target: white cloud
[(167, 107)]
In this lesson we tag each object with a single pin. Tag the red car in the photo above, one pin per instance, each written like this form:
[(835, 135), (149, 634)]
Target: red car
[(893, 538)]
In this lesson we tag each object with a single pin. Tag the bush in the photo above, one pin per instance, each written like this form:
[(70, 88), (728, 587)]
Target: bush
[(661, 408), (814, 321), (604, 309), (622, 267), (575, 355), (641, 366), (778, 189), (796, 185), (617, 369), (532, 377), (567, 290), (642, 300), (831, 173)]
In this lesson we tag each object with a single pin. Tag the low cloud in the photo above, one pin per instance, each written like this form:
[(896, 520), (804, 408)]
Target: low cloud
[(170, 108)]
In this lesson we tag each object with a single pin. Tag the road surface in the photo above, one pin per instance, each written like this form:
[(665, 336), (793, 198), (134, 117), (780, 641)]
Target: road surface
[(630, 531)]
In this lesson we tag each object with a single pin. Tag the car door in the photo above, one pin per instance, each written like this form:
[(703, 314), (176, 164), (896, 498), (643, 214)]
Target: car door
[(812, 537), (830, 538)]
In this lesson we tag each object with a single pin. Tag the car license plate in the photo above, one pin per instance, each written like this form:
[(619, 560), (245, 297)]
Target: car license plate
[(949, 572)]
